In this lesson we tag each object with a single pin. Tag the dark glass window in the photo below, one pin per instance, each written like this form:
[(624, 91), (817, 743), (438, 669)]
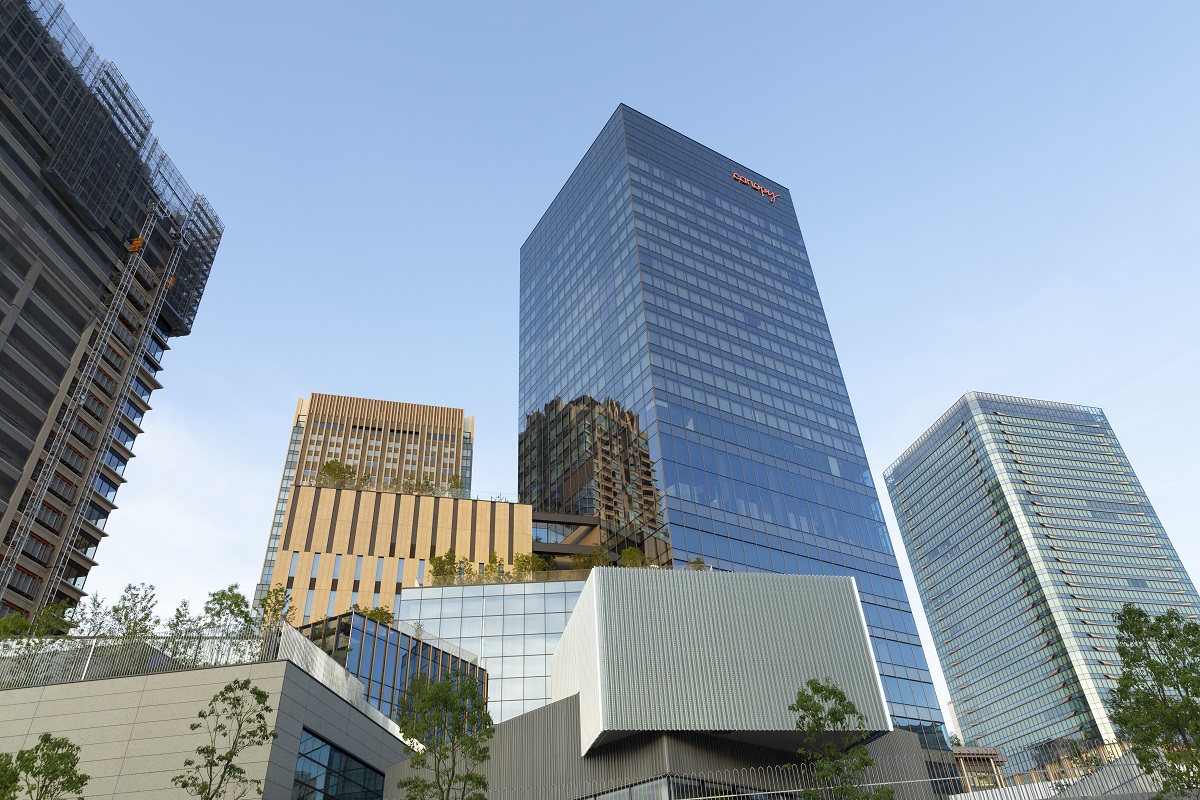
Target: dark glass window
[(124, 436), (141, 390), (104, 488), (326, 772), (95, 515), (116, 462), (134, 413)]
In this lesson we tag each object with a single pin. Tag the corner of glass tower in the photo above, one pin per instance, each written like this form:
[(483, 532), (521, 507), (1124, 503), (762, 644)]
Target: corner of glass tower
[(669, 285), (1028, 530)]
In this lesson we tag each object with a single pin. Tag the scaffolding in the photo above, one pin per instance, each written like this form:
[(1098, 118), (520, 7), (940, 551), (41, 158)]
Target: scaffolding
[(102, 159)]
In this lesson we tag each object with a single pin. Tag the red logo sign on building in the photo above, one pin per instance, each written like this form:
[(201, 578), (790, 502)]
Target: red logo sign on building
[(764, 191)]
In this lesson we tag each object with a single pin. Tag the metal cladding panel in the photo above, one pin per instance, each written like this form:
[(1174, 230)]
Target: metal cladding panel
[(574, 667), (674, 650)]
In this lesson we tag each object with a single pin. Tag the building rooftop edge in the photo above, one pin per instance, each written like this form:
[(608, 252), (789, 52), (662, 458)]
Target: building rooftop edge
[(327, 396), (620, 110), (976, 395)]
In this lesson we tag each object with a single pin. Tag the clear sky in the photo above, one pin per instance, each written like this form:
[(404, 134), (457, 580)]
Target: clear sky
[(998, 197)]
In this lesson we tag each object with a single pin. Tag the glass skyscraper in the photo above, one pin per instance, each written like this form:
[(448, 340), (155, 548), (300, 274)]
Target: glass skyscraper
[(1027, 530), (674, 282)]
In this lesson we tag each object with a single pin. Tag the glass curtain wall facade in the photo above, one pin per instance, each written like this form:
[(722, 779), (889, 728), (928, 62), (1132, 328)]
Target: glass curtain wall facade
[(587, 458), (675, 282), (514, 627), (385, 658), (326, 772), (1027, 530)]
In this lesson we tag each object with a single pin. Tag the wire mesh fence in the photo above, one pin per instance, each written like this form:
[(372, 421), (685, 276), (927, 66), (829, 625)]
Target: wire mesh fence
[(44, 661)]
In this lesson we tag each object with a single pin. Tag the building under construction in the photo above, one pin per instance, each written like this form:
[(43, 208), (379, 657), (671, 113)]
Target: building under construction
[(104, 254)]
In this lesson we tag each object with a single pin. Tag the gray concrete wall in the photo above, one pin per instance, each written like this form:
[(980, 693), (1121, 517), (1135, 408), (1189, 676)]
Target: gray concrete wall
[(134, 731), (537, 756)]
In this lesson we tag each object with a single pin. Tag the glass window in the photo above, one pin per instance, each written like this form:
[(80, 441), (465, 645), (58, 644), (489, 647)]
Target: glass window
[(472, 606), (325, 772), (123, 435), (105, 488), (141, 390), (95, 515), (514, 604), (134, 413)]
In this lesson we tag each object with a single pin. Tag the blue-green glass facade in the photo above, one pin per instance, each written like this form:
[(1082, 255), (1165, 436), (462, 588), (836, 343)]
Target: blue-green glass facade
[(386, 657), (1028, 530), (675, 281), (325, 772), (514, 627)]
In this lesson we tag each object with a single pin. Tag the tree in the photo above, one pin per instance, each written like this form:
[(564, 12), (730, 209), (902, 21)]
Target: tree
[(132, 616), (837, 762), (334, 474), (596, 557), (90, 617), (1156, 705), (449, 717), (183, 623), (697, 564), (955, 741), (47, 771), (526, 563), (276, 607), (633, 557), (443, 566), (227, 613), (10, 779), (235, 721), (184, 632), (52, 620), (491, 570), (380, 614)]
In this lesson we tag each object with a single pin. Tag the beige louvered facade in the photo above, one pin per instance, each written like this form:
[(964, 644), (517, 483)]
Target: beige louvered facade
[(340, 546), (385, 440), (383, 443)]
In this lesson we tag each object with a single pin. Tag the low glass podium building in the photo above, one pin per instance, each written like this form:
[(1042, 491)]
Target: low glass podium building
[(513, 626), (386, 657)]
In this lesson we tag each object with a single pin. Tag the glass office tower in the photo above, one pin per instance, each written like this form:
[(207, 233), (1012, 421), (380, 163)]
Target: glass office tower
[(1027, 530), (674, 282)]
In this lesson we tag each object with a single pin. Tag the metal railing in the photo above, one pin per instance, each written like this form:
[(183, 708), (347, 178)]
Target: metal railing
[(54, 660), (373, 484), (910, 777), (44, 661), (508, 575)]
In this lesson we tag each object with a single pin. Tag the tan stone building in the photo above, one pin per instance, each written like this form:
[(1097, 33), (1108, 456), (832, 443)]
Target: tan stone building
[(382, 444), (339, 547), (382, 441)]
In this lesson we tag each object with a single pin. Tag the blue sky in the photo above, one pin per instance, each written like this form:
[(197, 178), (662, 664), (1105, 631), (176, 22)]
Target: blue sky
[(1003, 198)]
